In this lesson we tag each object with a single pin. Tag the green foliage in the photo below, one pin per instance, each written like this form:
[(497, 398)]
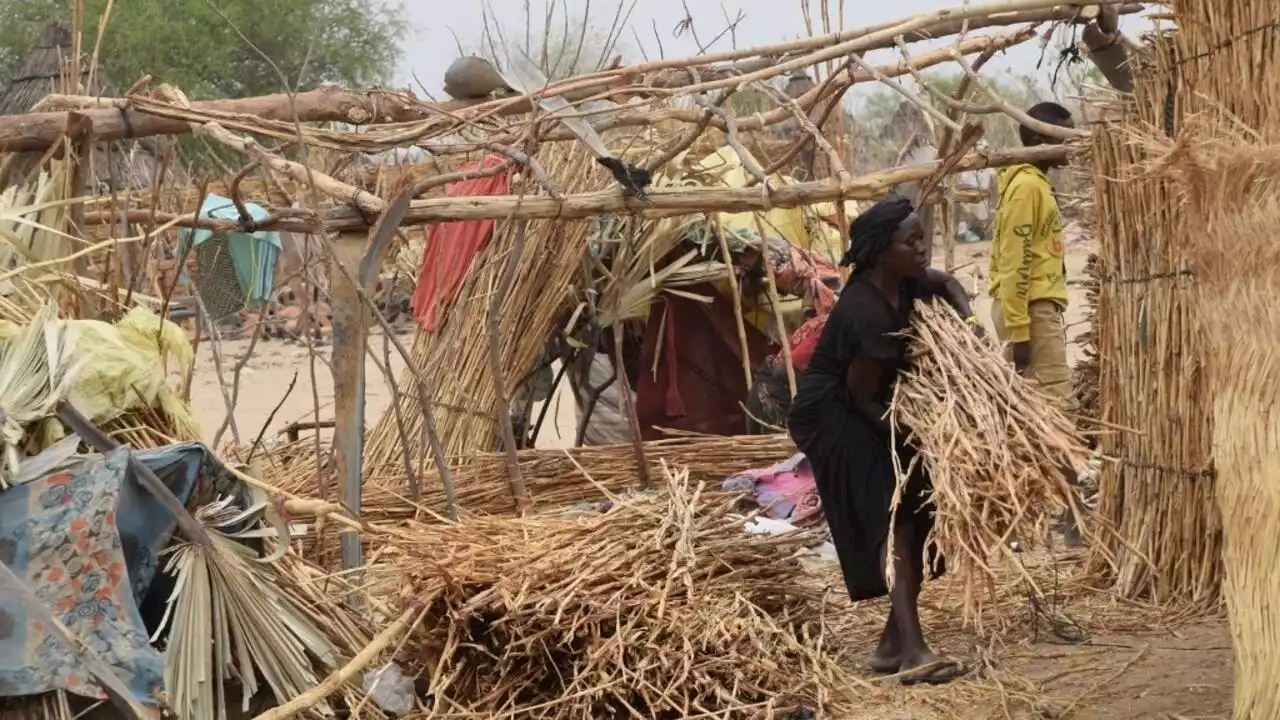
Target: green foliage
[(195, 47)]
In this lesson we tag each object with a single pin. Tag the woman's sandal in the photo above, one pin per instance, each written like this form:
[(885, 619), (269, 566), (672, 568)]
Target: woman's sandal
[(940, 672)]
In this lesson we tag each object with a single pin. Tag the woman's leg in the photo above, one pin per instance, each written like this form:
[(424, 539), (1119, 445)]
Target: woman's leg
[(887, 657), (918, 662), (908, 575)]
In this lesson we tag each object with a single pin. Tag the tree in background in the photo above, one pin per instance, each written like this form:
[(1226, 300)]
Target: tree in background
[(881, 131), (197, 48)]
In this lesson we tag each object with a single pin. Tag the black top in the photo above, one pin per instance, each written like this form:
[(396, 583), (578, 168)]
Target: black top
[(863, 324)]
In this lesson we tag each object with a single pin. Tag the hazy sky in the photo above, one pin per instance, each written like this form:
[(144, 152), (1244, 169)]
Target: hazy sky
[(430, 46)]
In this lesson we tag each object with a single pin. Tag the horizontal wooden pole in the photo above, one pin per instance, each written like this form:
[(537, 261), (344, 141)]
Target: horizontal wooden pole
[(663, 201), (759, 121), (37, 131)]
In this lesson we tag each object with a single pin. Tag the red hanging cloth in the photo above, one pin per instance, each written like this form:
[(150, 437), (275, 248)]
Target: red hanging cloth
[(451, 246)]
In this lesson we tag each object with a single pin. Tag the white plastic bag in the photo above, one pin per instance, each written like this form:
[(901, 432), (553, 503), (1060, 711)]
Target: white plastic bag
[(389, 689)]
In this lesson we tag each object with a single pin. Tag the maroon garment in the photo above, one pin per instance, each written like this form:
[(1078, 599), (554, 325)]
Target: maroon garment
[(698, 384)]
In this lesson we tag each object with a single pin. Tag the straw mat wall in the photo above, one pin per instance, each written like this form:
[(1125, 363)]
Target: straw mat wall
[(1207, 151), (1235, 198), (1156, 489), (453, 360), (1226, 156)]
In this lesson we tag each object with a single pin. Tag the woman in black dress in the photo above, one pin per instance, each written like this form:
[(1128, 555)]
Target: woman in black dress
[(839, 419)]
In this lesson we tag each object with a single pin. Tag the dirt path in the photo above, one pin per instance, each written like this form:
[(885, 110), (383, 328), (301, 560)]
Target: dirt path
[(266, 379), (1181, 673)]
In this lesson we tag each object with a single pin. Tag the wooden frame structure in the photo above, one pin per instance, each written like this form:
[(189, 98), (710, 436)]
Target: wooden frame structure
[(359, 222)]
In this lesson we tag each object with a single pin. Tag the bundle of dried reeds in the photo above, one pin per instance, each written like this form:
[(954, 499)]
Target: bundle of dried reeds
[(452, 363), (994, 446), (1156, 488), (657, 607), (1229, 186), (553, 477)]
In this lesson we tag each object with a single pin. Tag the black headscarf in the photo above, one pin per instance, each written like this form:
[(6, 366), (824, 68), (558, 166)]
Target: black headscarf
[(871, 233)]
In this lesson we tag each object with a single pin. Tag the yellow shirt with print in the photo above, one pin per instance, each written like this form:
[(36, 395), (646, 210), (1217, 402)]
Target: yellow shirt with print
[(1026, 253)]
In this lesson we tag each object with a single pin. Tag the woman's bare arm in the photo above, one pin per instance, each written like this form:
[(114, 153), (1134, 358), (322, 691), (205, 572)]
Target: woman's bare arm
[(949, 289)]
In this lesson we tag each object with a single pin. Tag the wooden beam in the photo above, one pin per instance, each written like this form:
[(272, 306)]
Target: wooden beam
[(331, 103), (663, 201)]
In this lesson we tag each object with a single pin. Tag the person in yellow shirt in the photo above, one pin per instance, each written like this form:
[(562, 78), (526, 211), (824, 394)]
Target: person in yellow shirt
[(1028, 274)]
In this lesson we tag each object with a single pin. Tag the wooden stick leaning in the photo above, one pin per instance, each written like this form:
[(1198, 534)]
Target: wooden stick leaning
[(731, 275)]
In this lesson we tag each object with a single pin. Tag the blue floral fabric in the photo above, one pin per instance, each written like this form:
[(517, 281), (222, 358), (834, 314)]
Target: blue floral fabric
[(59, 535), (86, 540)]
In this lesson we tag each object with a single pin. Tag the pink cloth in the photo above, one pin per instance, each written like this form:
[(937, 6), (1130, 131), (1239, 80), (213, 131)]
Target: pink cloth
[(787, 489)]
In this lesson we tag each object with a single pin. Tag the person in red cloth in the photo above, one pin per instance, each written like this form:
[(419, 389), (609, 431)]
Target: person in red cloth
[(692, 355)]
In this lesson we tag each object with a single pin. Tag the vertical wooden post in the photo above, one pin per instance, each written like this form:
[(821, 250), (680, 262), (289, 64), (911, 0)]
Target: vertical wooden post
[(619, 365), (350, 335), (78, 151), (949, 224), (502, 404), (356, 261)]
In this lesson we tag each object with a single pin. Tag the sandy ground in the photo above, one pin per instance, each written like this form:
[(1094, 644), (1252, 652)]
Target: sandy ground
[(1178, 673), (265, 384)]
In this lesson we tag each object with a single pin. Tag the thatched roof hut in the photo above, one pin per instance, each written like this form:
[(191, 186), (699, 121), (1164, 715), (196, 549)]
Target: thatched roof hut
[(117, 165)]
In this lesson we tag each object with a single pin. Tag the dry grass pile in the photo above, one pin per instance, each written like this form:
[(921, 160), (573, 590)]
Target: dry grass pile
[(553, 477), (992, 443), (661, 606)]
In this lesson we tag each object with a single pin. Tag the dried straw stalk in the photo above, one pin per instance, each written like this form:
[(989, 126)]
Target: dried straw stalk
[(657, 607), (1084, 376), (993, 444), (552, 477), (1231, 186), (454, 361)]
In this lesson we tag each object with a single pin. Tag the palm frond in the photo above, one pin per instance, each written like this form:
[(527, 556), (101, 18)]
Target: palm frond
[(36, 372), (230, 617)]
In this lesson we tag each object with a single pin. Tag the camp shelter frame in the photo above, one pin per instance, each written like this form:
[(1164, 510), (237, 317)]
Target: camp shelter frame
[(505, 125)]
